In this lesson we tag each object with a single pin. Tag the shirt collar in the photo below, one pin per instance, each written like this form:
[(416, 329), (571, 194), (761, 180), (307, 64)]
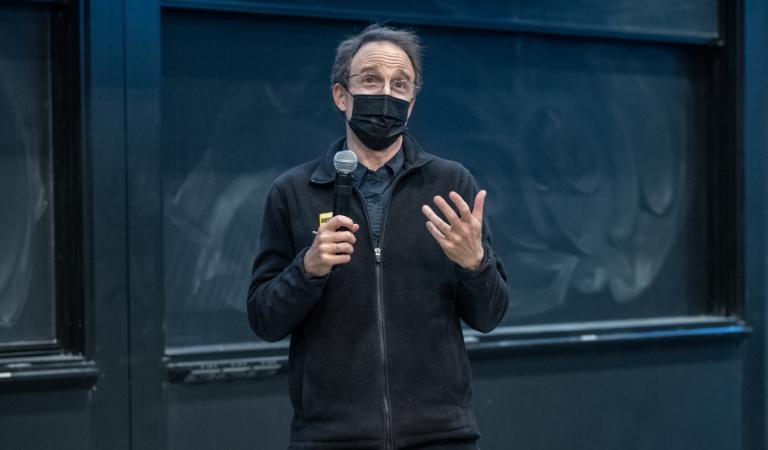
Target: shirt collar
[(394, 164), (390, 168), (412, 157)]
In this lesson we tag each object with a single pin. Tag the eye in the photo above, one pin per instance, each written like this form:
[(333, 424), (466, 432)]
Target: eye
[(400, 85), (370, 81)]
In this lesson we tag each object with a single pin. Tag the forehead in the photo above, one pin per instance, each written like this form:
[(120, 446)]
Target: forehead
[(383, 55)]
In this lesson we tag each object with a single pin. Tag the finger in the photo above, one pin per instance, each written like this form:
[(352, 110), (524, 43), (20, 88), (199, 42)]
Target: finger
[(439, 237), (443, 227), (446, 209), (333, 259), (461, 205), (343, 248), (328, 248), (341, 236), (479, 205), (337, 248), (337, 222)]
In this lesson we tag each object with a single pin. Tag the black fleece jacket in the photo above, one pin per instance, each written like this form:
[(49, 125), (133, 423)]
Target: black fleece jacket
[(377, 357)]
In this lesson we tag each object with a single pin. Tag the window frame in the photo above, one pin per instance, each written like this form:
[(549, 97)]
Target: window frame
[(62, 362)]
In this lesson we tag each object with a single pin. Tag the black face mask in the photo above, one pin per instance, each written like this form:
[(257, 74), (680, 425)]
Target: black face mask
[(378, 120)]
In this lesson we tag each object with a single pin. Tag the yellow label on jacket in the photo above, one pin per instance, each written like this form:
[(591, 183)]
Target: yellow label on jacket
[(325, 217)]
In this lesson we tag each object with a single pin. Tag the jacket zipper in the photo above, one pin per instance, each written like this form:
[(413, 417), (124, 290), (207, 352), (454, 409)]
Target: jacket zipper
[(380, 306), (383, 348), (380, 323)]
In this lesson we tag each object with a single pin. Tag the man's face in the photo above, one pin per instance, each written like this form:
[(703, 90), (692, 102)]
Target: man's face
[(382, 61)]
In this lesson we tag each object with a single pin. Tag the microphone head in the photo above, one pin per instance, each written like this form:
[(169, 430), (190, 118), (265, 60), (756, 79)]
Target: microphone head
[(345, 161)]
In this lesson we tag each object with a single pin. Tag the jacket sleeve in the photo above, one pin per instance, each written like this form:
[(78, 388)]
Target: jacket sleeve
[(482, 294), (281, 293)]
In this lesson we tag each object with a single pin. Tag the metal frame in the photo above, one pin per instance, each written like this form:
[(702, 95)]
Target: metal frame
[(491, 23), (67, 179), (61, 361)]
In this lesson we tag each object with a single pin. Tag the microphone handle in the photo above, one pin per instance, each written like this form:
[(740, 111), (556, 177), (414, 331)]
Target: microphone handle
[(342, 200), (342, 196)]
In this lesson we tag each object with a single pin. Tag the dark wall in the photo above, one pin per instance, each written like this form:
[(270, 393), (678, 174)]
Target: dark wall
[(623, 148)]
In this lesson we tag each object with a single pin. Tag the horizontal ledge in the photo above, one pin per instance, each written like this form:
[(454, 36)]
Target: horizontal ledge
[(512, 25), (630, 332), (226, 362), (232, 349), (227, 369), (47, 372), (258, 360)]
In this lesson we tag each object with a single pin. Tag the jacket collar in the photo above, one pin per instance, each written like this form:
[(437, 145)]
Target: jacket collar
[(412, 152)]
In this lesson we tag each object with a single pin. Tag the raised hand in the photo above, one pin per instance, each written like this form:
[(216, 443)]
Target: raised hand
[(331, 246), (461, 238)]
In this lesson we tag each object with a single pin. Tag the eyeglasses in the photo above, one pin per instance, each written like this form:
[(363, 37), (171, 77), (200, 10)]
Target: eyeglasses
[(372, 84)]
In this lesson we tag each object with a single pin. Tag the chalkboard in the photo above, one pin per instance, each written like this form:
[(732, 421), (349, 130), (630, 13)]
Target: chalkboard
[(27, 300), (593, 154), (686, 20), (592, 151)]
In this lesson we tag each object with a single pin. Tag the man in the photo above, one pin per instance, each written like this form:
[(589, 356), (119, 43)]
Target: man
[(374, 302)]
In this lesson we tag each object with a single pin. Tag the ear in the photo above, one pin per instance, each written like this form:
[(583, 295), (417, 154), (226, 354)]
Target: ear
[(339, 96)]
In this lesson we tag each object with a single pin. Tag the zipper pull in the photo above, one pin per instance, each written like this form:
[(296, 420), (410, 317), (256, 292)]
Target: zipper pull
[(377, 251)]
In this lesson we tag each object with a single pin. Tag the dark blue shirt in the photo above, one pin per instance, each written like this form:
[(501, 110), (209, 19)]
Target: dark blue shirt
[(375, 188)]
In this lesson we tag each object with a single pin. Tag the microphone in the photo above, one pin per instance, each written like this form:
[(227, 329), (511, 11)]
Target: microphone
[(345, 163)]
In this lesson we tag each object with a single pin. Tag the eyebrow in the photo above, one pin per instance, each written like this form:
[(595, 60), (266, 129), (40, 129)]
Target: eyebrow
[(374, 68)]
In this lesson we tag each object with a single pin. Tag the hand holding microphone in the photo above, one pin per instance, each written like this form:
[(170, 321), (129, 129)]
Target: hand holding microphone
[(334, 244), (335, 239)]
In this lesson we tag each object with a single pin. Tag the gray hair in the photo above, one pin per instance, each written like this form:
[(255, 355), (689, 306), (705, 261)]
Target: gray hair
[(407, 40)]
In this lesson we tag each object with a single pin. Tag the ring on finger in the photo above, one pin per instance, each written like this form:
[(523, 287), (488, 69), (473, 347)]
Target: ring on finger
[(338, 249)]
